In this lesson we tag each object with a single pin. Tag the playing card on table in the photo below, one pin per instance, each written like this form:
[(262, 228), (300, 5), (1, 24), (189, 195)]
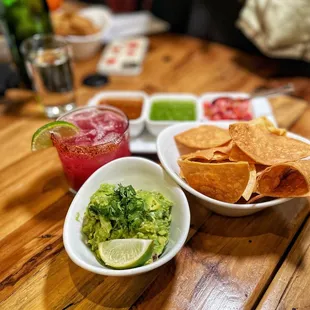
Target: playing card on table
[(123, 57)]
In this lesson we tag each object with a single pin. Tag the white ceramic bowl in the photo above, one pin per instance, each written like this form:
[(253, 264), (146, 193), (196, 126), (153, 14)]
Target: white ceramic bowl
[(141, 174), (155, 127), (260, 106), (168, 155), (84, 47), (136, 126)]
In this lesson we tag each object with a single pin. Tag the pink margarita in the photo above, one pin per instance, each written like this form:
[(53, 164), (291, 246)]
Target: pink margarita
[(103, 136)]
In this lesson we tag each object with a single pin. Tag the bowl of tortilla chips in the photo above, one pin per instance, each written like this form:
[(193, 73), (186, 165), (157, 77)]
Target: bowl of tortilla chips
[(236, 169), (83, 29)]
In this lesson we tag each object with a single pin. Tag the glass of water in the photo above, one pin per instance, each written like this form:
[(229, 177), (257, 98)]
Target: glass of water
[(48, 62)]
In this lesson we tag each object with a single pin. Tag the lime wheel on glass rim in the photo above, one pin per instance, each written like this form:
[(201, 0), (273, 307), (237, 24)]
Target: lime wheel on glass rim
[(41, 139)]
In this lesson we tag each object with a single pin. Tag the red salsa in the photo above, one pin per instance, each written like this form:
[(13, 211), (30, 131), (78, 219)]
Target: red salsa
[(225, 108)]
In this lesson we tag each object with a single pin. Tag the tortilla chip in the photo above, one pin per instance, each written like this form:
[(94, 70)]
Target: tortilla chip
[(265, 122), (214, 154), (277, 131), (251, 183), (237, 155), (205, 156), (221, 181), (201, 138), (290, 179), (254, 199), (260, 168), (265, 147)]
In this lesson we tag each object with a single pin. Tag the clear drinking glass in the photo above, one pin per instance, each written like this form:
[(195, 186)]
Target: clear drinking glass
[(103, 137), (48, 62)]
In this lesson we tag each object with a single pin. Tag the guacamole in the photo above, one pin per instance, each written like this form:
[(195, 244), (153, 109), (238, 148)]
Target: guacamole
[(120, 212)]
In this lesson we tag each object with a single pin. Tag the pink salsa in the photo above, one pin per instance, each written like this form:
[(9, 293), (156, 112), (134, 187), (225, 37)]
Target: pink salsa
[(103, 137), (225, 108)]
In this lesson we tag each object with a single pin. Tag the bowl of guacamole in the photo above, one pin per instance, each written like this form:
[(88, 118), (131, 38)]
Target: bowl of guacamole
[(122, 212), (129, 198)]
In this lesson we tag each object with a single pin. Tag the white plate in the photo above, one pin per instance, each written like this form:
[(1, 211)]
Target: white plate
[(141, 174), (143, 144), (168, 155)]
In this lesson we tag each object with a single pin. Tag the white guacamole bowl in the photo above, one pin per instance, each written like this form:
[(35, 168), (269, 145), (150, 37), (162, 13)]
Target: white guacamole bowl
[(141, 174)]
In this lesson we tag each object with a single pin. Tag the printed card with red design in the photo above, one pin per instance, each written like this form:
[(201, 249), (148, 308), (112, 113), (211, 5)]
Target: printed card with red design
[(123, 57)]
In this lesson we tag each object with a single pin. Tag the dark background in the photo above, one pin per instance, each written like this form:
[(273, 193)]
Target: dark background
[(212, 20)]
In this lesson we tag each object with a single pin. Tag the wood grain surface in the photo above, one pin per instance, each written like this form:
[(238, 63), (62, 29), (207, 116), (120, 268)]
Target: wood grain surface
[(287, 109), (226, 264), (290, 287)]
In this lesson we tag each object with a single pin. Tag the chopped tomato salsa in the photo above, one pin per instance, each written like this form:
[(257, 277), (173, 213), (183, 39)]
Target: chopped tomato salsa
[(225, 108)]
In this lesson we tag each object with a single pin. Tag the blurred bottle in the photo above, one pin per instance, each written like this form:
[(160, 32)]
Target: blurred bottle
[(21, 19)]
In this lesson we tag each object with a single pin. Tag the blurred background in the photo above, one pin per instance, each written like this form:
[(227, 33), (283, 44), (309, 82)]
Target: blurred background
[(267, 29)]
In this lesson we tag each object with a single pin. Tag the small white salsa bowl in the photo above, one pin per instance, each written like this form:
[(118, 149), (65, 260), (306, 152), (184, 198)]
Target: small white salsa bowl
[(260, 106), (141, 174), (136, 126), (168, 155), (155, 127)]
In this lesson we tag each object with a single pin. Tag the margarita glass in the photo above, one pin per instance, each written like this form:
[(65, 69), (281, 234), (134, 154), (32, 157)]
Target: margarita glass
[(103, 136)]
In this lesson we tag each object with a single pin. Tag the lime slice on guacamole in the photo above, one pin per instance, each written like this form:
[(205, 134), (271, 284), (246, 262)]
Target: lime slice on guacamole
[(41, 139), (125, 253)]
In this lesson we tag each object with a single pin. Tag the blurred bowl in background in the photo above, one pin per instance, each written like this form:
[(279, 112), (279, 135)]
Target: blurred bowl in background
[(86, 46)]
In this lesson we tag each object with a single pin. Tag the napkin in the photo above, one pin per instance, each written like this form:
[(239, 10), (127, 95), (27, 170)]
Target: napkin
[(134, 24), (279, 28)]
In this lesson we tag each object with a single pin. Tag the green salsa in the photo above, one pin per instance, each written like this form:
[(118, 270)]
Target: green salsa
[(121, 212), (173, 110)]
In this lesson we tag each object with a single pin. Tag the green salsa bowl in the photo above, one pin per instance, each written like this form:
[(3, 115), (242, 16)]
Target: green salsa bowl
[(168, 109)]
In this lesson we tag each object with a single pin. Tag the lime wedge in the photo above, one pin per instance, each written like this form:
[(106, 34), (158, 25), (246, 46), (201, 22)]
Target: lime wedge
[(125, 253), (41, 139)]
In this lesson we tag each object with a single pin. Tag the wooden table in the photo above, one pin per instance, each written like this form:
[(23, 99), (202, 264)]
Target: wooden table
[(228, 263)]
